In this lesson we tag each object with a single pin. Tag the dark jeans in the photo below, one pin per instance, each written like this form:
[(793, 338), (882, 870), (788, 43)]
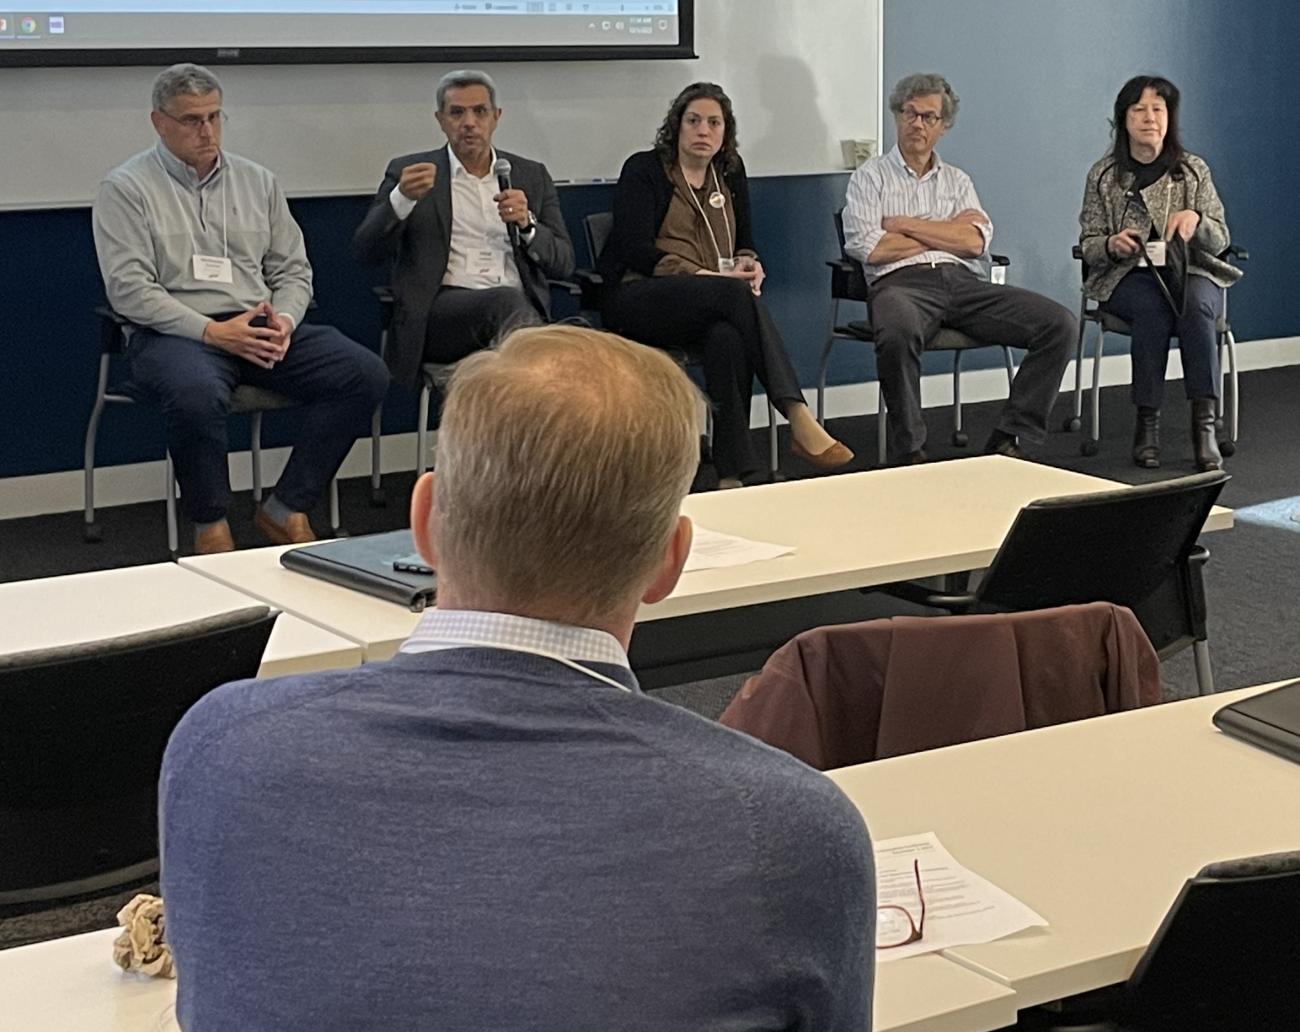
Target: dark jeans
[(718, 322), (908, 307), (463, 321), (1138, 301), (338, 381)]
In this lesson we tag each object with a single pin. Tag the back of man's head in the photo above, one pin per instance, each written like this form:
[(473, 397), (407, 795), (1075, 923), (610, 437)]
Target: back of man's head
[(563, 458)]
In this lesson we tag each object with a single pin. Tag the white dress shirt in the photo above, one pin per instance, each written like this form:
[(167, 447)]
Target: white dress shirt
[(480, 254), (886, 186)]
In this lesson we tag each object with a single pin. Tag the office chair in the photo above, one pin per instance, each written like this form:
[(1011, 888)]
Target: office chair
[(1135, 547), (596, 228), (1223, 959), (1228, 403), (252, 401), (849, 283), (82, 733)]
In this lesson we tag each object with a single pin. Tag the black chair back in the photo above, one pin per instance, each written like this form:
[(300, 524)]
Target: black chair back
[(1131, 547), (1226, 954), (82, 734), (596, 228)]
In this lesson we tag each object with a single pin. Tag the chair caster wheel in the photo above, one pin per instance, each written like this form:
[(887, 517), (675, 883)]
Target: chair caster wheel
[(340, 532), (1227, 447), (92, 533), (378, 498), (960, 439), (1089, 448), (1072, 425)]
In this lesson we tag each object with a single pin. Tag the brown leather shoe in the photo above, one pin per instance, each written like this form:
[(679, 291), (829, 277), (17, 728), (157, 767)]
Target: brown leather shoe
[(214, 539), (833, 457), (296, 530)]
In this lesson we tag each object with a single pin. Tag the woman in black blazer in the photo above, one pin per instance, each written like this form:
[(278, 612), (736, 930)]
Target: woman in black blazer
[(683, 273)]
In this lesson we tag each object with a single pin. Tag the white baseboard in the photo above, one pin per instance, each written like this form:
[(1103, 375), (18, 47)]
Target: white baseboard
[(143, 481)]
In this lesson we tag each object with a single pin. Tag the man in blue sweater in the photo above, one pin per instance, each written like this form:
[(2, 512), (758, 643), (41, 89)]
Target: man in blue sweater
[(496, 829)]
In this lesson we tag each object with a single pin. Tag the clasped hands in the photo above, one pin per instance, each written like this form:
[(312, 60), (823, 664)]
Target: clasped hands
[(1128, 242), (418, 179), (747, 268), (258, 335)]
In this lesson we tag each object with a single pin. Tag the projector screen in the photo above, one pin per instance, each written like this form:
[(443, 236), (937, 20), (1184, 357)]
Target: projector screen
[(106, 32)]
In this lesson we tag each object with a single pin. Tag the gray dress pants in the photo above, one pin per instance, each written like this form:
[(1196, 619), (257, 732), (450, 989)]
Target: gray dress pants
[(910, 305)]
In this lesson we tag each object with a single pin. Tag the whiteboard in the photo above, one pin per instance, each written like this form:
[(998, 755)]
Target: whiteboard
[(803, 76)]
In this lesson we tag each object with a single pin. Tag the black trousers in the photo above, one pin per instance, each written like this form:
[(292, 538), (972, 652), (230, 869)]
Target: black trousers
[(718, 322), (463, 321), (909, 306)]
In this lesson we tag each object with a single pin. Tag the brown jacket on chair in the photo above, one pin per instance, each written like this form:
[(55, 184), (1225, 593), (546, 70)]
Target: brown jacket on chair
[(846, 694)]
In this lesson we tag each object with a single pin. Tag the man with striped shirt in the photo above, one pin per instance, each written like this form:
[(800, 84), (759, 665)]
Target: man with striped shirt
[(916, 225)]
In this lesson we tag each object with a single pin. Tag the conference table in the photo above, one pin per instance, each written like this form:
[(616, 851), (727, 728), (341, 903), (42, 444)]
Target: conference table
[(72, 984), (850, 531), (51, 612), (1095, 825)]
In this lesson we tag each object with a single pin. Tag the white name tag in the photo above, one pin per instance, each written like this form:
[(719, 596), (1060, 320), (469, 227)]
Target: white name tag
[(1156, 253), (211, 269), (488, 263)]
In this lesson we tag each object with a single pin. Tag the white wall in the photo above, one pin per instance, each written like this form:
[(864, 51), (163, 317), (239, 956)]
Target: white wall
[(803, 76)]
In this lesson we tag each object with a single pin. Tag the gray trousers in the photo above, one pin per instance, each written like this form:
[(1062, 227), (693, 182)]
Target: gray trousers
[(909, 306)]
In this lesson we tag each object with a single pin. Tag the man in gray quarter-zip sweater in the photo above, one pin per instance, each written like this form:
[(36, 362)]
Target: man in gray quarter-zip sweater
[(198, 250)]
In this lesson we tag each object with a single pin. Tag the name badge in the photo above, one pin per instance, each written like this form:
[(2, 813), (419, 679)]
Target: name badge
[(1156, 253), (487, 262), (211, 269)]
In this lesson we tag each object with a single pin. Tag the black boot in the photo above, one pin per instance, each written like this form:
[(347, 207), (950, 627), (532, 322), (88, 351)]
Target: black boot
[(1205, 448), (1146, 438)]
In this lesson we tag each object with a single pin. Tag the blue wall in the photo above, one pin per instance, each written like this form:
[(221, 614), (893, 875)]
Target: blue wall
[(1037, 79)]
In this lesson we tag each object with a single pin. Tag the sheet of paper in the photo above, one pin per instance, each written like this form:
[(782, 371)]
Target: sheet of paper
[(961, 908), (711, 550)]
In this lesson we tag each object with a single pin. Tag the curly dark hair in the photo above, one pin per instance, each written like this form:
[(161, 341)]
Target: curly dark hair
[(1130, 93), (728, 158)]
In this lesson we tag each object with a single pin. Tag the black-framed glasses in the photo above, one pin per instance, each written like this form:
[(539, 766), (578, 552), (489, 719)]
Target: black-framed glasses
[(894, 924), (195, 123), (928, 118)]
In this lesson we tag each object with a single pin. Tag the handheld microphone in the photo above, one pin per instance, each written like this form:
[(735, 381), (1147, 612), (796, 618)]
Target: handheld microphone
[(502, 170)]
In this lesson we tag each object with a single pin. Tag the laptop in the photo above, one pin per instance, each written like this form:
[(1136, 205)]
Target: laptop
[(1270, 720), (384, 565)]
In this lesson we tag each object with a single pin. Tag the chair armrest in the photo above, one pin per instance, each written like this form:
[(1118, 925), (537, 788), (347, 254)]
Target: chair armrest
[(999, 259), (591, 287), (848, 282), (1076, 252), (1235, 252), (564, 286), (111, 330), (955, 604)]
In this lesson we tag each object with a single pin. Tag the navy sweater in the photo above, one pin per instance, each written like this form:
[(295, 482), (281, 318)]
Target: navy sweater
[(482, 840)]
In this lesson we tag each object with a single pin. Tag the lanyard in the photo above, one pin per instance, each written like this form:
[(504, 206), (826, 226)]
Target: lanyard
[(542, 653), (225, 249), (700, 208)]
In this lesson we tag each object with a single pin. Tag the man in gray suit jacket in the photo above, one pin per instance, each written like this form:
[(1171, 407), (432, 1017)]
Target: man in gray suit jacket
[(468, 258)]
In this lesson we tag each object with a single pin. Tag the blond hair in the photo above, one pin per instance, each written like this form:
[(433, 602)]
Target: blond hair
[(563, 457)]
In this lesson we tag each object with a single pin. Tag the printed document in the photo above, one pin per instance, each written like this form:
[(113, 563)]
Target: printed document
[(961, 908), (711, 550)]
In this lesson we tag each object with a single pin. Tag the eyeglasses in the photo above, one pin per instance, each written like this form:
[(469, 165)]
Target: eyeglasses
[(195, 123), (927, 118), (894, 924)]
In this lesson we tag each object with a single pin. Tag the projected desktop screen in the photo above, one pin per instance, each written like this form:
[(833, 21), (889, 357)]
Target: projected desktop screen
[(88, 32)]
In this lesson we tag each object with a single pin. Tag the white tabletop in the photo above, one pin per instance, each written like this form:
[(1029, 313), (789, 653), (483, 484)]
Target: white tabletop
[(73, 984), (850, 531), (55, 611), (859, 529), (1095, 825)]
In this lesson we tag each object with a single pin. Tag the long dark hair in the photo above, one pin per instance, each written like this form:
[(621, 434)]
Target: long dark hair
[(728, 158), (1171, 154)]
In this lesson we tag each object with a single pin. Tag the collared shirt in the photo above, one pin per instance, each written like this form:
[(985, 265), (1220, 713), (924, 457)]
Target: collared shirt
[(459, 628), (153, 213), (479, 254), (886, 186)]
